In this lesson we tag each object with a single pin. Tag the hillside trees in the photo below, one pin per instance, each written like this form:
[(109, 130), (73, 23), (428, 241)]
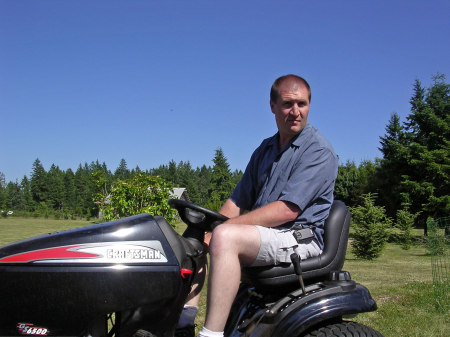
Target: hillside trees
[(68, 193)]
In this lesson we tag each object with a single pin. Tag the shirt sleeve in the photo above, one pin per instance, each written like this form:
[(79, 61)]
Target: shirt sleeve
[(312, 177)]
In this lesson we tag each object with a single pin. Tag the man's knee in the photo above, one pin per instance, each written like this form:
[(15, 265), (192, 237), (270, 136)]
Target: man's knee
[(223, 238), (235, 239)]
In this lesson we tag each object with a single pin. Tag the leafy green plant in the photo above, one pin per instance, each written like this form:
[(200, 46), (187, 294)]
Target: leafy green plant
[(143, 193), (370, 225)]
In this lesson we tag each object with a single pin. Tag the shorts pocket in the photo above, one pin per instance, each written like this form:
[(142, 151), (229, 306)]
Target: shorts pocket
[(286, 245)]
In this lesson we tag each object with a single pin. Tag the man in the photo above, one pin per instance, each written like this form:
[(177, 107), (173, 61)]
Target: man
[(288, 181)]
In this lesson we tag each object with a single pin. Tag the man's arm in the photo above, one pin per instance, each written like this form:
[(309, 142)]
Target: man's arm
[(270, 215), (230, 209)]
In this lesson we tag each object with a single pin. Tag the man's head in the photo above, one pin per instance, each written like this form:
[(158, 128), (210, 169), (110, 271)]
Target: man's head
[(290, 97)]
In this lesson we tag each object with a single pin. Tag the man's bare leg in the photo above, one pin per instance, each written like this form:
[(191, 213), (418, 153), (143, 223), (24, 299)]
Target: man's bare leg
[(231, 247)]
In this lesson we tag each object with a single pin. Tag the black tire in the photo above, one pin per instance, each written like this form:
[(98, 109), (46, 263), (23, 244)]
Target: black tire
[(344, 329)]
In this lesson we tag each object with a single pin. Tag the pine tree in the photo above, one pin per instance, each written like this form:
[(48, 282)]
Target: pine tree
[(426, 176), (122, 171), (221, 182), (370, 225), (56, 194), (394, 150), (25, 187), (39, 183), (2, 191)]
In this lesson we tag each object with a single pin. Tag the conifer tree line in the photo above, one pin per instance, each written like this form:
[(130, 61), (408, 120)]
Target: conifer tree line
[(71, 194), (412, 175)]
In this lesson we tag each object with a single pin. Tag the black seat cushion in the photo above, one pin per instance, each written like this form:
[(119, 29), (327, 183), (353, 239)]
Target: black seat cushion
[(332, 258)]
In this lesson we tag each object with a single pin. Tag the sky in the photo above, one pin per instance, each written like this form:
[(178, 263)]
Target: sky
[(155, 81)]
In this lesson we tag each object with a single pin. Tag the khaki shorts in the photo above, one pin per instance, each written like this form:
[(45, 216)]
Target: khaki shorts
[(277, 245)]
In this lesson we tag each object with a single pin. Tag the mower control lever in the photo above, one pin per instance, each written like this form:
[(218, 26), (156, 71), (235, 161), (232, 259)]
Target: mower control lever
[(296, 260)]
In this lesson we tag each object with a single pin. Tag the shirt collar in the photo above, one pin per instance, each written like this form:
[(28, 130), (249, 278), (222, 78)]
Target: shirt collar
[(296, 141)]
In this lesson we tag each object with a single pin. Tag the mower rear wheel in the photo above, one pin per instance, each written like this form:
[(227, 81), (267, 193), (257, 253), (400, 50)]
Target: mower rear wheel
[(344, 329)]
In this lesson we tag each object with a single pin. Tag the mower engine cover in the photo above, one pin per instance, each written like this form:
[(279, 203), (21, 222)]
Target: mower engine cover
[(59, 283)]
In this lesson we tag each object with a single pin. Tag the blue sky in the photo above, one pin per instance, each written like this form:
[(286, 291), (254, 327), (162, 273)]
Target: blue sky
[(154, 81)]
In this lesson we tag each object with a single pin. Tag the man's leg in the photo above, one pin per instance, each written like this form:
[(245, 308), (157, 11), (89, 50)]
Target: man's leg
[(232, 246)]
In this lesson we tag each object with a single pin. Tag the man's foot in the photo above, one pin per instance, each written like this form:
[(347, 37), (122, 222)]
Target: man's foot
[(187, 331)]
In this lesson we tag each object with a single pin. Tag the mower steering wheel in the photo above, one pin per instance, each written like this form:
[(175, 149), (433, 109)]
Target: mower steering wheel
[(197, 216)]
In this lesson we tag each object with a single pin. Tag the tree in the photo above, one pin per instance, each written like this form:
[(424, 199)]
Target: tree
[(415, 168), (427, 160), (39, 183), (370, 225), (221, 181), (56, 194), (122, 171), (353, 181), (346, 183), (2, 191), (15, 199), (70, 192), (142, 193), (388, 177), (405, 222), (25, 187)]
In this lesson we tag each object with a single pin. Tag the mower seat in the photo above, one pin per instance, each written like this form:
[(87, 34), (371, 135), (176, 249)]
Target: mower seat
[(332, 258)]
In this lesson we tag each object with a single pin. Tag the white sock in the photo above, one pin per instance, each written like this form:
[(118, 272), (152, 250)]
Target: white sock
[(208, 333), (188, 315)]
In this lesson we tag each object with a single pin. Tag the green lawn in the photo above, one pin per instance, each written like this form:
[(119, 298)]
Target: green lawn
[(400, 281)]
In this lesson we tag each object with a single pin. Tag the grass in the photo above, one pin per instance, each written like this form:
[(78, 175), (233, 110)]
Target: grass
[(399, 280), (401, 283), (15, 228)]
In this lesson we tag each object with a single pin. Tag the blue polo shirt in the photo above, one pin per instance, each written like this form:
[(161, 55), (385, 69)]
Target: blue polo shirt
[(303, 173)]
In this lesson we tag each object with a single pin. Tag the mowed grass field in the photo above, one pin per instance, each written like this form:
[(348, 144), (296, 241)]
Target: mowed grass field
[(400, 281)]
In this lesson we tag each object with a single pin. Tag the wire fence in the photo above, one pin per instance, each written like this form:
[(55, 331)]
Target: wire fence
[(438, 244)]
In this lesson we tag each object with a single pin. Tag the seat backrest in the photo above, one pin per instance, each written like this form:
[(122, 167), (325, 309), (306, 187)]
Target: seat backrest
[(332, 258)]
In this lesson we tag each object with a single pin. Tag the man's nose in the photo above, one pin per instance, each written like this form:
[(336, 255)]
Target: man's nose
[(295, 111)]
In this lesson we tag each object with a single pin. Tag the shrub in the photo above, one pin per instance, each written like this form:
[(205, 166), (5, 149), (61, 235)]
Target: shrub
[(370, 225), (405, 222), (143, 193)]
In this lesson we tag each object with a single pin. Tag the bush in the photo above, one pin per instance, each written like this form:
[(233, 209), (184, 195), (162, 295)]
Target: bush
[(143, 193), (370, 225), (405, 222)]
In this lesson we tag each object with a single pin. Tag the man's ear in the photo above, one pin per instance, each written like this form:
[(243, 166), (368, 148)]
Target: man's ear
[(271, 106)]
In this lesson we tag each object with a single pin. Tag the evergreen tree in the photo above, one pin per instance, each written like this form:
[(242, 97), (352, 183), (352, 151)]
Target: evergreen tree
[(388, 176), (2, 191), (122, 171), (25, 187), (346, 181), (415, 167), (370, 225), (427, 161), (39, 183), (56, 193), (15, 199), (70, 192), (221, 182), (204, 174)]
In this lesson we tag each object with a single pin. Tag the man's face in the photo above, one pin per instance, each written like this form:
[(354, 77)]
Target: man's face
[(291, 109)]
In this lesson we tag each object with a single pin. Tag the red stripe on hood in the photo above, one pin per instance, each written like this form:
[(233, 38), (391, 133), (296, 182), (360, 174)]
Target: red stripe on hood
[(49, 254)]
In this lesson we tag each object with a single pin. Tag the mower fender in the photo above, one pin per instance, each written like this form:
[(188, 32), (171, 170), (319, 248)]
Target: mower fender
[(331, 307)]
